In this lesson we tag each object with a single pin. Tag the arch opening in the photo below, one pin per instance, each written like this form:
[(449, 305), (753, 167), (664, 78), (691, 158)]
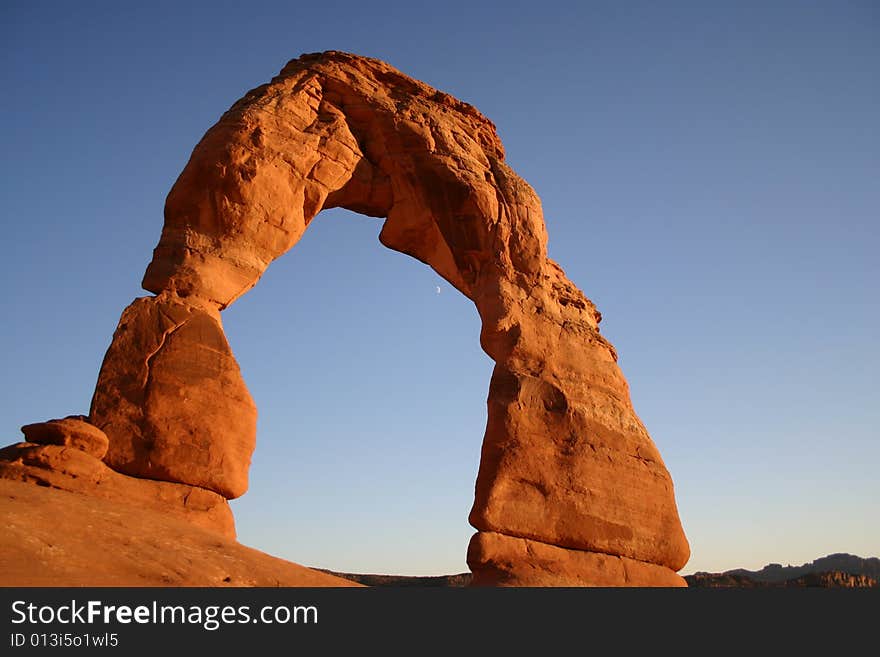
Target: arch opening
[(371, 390)]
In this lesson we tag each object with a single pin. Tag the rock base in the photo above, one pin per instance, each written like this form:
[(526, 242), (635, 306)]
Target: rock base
[(53, 537), (500, 560), (76, 471)]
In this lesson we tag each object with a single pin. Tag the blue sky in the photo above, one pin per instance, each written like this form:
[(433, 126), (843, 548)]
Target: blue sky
[(709, 174)]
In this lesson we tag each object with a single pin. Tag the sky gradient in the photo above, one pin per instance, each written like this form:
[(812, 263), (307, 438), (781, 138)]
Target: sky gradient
[(709, 177)]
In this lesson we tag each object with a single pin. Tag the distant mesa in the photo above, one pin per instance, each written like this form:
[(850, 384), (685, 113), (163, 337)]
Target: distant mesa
[(825, 580), (834, 571), (571, 490), (839, 562)]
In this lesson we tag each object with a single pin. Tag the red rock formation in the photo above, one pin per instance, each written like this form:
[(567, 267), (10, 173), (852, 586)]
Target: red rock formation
[(570, 484), (74, 431), (171, 398), (565, 460), (499, 560), (73, 470)]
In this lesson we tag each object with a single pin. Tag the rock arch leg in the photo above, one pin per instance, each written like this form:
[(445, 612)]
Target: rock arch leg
[(172, 401), (571, 490)]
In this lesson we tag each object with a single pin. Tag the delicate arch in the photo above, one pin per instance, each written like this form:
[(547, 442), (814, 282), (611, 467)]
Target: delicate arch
[(570, 488)]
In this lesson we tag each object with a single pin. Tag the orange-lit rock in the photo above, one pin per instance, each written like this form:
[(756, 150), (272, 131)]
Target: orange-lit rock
[(74, 431), (171, 398), (570, 488), (566, 460), (66, 468), (499, 560), (54, 537)]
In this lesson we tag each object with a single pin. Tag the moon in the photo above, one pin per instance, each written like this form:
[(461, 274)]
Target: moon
[(438, 289)]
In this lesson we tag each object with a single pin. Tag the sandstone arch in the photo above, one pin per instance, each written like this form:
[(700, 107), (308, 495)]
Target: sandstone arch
[(571, 489)]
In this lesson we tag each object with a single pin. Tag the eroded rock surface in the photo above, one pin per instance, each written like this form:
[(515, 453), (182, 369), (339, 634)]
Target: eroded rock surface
[(566, 460), (74, 431), (500, 560), (171, 398), (76, 471), (571, 488)]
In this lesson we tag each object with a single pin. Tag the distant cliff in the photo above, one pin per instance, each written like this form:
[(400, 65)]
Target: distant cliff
[(834, 571)]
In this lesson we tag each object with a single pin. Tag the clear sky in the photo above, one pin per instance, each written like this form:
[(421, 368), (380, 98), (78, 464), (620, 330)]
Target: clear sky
[(710, 174)]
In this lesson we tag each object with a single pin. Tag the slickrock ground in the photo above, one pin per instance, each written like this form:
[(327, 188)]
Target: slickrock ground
[(53, 537), (69, 463)]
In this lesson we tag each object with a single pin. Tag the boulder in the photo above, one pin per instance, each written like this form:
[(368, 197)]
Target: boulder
[(172, 401), (73, 431)]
